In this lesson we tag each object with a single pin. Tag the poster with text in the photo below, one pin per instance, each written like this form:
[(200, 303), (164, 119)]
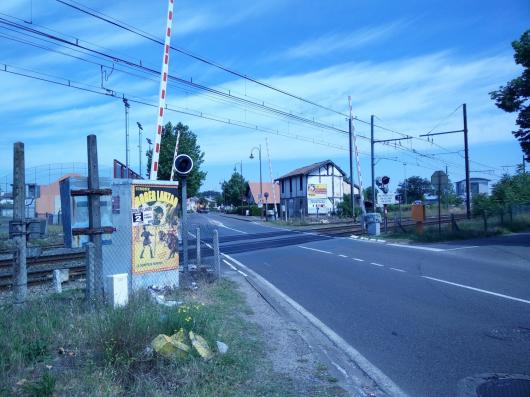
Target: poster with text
[(317, 190), (155, 228)]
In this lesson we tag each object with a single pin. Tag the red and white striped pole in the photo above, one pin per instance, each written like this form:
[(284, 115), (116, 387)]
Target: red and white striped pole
[(162, 96), (358, 161)]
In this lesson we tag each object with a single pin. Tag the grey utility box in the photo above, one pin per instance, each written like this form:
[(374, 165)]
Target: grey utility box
[(373, 223), (145, 243)]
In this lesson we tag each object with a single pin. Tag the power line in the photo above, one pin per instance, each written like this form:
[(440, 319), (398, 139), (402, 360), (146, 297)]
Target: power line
[(139, 32), (114, 94), (174, 78)]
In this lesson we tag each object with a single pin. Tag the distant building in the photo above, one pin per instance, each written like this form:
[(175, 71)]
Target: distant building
[(49, 201), (476, 185), (253, 192), (314, 189)]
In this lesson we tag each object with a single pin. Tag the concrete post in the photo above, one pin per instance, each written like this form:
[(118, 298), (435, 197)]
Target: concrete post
[(216, 254), (20, 275), (198, 243), (57, 281)]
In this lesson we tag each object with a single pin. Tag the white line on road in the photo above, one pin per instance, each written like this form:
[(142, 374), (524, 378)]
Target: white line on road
[(462, 248), (398, 270), (358, 259), (220, 224), (418, 248), (229, 264), (244, 274), (478, 290), (376, 264), (314, 249), (343, 256)]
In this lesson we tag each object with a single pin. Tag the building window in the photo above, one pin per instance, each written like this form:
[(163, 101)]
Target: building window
[(301, 181), (290, 185)]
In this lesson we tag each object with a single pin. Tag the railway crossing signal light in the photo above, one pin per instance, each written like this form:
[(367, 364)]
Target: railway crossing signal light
[(183, 165), (382, 183)]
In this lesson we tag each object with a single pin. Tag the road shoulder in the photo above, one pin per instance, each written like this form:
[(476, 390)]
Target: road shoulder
[(300, 349)]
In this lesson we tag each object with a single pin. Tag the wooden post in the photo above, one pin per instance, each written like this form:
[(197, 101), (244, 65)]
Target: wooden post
[(94, 214), (20, 275), (90, 264)]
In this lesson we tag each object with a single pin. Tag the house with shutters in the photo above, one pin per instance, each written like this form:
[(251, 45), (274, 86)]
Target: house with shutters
[(315, 189)]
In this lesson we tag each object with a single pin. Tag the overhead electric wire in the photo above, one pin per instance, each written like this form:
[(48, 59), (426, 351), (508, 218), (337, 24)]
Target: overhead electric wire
[(139, 32), (115, 94), (174, 78), (211, 97), (228, 96)]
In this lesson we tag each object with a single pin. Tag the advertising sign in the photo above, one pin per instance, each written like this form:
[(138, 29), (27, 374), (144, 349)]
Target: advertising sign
[(154, 228), (318, 203), (317, 191)]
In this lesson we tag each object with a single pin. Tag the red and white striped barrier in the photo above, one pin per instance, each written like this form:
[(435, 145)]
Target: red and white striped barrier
[(357, 159), (162, 96)]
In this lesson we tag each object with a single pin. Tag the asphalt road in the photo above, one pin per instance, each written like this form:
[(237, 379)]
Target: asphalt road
[(425, 317)]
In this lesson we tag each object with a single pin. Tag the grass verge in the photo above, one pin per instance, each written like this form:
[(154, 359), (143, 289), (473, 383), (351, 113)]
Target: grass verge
[(55, 346), (468, 229)]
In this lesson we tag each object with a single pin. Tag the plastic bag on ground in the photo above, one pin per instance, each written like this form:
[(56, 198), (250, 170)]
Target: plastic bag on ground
[(169, 347), (200, 344)]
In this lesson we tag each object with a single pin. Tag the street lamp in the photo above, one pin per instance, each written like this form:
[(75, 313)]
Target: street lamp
[(258, 148), (140, 129), (242, 182), (126, 106)]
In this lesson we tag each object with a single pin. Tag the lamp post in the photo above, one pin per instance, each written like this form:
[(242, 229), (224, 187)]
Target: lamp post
[(126, 106), (258, 148), (150, 143), (242, 182), (140, 129)]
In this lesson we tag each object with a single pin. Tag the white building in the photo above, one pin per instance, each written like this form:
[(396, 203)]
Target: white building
[(314, 189), (476, 186)]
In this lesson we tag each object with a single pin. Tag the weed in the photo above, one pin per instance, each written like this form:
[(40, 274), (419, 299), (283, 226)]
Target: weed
[(44, 387)]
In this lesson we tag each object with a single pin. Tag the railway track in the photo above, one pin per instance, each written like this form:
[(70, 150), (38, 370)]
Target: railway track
[(355, 228), (40, 268)]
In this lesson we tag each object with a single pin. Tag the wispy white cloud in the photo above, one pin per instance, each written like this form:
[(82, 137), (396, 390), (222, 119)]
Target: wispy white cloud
[(335, 41)]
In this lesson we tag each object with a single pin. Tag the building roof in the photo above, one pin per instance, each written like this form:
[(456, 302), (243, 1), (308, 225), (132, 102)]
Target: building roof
[(308, 168), (472, 179), (267, 188)]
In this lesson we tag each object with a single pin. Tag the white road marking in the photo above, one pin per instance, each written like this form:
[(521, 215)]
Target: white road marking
[(418, 247), (244, 274), (343, 256), (229, 264), (478, 290), (358, 259), (220, 224), (376, 264), (314, 249), (462, 248), (398, 270), (342, 370)]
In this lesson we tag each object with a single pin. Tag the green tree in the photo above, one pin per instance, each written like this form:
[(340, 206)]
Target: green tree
[(514, 96), (484, 206), (367, 193), (414, 187), (234, 189), (187, 145)]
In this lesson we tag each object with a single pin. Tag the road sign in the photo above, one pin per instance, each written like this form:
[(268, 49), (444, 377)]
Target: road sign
[(439, 178), (385, 198)]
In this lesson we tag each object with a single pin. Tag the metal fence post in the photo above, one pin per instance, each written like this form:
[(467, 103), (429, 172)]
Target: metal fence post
[(216, 256), (90, 271), (20, 275), (198, 243)]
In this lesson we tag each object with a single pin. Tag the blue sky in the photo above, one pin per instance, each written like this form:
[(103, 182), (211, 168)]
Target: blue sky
[(410, 63)]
